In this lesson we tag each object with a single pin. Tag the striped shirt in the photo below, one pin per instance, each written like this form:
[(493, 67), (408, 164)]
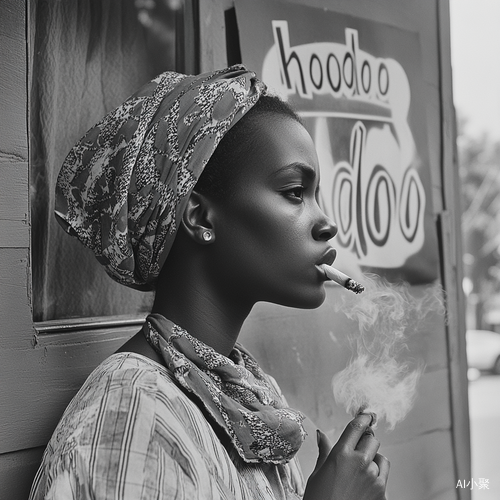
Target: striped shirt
[(132, 433)]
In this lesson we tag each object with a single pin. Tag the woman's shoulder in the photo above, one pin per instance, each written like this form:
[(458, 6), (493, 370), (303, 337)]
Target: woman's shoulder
[(129, 362), (126, 395), (125, 372), (124, 384), (125, 376), (129, 415)]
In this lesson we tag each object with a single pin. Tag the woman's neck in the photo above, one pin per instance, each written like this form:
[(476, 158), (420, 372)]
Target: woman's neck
[(201, 317), (209, 313)]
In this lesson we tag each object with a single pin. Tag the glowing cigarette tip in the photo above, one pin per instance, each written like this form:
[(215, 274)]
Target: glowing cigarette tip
[(342, 279)]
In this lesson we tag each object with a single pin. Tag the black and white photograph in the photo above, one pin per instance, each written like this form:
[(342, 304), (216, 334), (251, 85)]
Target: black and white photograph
[(249, 250)]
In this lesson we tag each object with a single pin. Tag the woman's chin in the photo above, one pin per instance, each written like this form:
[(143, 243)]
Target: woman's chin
[(314, 303), (310, 299)]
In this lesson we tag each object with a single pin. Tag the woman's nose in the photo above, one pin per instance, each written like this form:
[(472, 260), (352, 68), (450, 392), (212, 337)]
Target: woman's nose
[(325, 229)]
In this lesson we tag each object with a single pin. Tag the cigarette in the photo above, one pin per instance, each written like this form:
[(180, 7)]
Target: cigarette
[(342, 279)]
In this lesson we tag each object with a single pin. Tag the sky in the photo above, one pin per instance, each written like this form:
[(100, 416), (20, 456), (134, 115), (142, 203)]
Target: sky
[(475, 55)]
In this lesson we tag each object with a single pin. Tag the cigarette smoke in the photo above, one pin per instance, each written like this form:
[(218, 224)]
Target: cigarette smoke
[(377, 378)]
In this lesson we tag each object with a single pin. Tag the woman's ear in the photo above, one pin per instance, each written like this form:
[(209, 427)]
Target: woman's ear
[(197, 219)]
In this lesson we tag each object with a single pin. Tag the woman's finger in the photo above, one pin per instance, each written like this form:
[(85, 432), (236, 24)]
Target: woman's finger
[(324, 448), (368, 444), (355, 430), (383, 467), (373, 469)]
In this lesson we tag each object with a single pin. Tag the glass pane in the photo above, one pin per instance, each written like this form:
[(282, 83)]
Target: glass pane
[(87, 57)]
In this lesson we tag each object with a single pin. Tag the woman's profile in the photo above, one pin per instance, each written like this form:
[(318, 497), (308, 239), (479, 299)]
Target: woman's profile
[(205, 189)]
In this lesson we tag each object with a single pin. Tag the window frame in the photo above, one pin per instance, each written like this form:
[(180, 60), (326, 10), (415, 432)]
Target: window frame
[(119, 325)]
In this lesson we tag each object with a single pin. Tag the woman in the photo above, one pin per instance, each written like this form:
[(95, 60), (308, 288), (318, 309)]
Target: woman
[(183, 411)]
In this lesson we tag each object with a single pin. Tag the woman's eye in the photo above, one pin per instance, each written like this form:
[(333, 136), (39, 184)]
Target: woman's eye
[(296, 192)]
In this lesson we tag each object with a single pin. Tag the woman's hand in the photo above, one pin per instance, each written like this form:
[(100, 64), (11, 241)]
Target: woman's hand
[(352, 470)]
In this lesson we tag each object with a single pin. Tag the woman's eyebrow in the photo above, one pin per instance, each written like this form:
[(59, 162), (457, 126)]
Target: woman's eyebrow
[(293, 168)]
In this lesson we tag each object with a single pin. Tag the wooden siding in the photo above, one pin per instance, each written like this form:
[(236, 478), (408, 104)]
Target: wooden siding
[(15, 314)]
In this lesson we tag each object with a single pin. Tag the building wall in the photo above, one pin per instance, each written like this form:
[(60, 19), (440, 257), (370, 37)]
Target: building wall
[(40, 370)]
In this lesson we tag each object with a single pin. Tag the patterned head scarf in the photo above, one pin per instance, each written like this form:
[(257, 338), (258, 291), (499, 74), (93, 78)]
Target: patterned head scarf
[(124, 186)]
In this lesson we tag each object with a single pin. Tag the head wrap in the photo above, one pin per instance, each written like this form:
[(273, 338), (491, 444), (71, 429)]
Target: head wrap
[(124, 186)]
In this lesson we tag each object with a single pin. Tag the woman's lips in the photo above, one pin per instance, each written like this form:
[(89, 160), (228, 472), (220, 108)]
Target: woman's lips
[(328, 257)]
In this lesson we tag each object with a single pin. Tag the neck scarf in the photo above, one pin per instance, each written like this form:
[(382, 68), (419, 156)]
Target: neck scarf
[(124, 186), (234, 391)]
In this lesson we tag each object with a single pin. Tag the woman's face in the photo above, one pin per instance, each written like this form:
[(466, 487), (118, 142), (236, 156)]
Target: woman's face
[(271, 233)]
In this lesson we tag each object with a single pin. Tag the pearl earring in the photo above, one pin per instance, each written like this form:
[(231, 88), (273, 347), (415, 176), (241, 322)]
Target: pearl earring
[(207, 235)]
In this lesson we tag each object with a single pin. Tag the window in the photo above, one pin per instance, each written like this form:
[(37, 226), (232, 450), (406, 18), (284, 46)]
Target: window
[(87, 57)]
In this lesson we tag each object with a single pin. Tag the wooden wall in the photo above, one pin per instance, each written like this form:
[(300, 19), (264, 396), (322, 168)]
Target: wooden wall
[(40, 370)]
